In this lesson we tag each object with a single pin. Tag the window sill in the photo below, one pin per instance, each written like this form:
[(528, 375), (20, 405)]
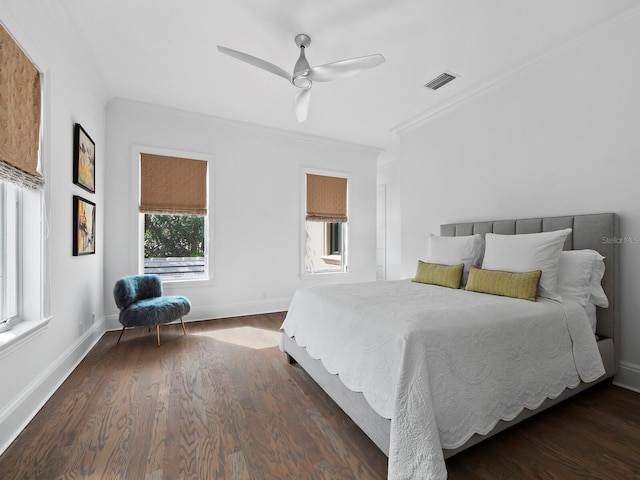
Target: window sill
[(325, 273), (187, 282), (20, 334)]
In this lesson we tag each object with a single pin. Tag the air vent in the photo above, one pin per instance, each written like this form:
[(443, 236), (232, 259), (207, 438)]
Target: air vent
[(440, 80)]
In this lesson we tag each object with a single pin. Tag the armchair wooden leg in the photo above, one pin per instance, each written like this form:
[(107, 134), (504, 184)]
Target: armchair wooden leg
[(158, 333), (182, 323), (121, 332)]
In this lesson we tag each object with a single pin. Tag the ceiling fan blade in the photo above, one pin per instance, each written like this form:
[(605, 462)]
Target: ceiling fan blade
[(255, 61), (344, 68), (302, 104)]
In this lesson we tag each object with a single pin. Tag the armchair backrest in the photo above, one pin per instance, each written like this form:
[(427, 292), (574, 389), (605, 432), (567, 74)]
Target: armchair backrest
[(130, 290)]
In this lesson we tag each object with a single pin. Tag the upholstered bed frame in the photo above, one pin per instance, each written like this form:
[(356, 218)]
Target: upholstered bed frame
[(598, 232)]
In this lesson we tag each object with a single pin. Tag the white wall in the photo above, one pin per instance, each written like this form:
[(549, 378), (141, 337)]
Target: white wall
[(389, 177), (30, 371), (560, 138), (256, 206)]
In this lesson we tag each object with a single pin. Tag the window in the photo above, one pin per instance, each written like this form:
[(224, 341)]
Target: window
[(23, 239), (23, 291), (9, 254), (174, 245), (325, 224), (173, 208)]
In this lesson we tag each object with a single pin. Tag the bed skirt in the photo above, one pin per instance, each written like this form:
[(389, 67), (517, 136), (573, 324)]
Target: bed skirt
[(377, 428)]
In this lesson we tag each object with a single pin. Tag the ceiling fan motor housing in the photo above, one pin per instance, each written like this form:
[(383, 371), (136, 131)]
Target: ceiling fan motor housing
[(303, 40)]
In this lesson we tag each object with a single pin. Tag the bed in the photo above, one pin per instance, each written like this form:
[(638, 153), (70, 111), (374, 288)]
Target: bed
[(412, 427)]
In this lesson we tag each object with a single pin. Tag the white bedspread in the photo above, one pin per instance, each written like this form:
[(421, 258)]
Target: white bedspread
[(442, 364)]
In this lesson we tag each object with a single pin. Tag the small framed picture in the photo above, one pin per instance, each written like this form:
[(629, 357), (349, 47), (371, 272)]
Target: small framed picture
[(84, 159), (84, 226)]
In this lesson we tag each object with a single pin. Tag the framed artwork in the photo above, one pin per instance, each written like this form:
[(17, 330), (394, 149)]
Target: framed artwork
[(84, 226), (84, 159)]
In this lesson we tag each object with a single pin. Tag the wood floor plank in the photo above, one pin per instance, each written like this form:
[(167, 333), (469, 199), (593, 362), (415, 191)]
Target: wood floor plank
[(223, 403), (238, 466)]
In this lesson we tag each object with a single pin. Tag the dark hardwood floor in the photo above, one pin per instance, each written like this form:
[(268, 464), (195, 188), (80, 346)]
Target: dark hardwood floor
[(222, 403)]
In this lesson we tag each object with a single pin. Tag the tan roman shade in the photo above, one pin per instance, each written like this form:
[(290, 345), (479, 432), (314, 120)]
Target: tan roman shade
[(326, 199), (172, 185), (19, 115)]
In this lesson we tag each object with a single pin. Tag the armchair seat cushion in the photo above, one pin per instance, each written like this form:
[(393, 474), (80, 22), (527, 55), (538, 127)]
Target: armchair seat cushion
[(154, 311)]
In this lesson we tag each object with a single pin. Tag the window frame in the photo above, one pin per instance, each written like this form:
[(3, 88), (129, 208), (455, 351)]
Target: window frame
[(344, 240), (138, 217), (33, 292), (10, 248)]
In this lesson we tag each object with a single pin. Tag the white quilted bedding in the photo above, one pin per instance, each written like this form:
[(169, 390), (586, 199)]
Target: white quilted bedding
[(442, 364)]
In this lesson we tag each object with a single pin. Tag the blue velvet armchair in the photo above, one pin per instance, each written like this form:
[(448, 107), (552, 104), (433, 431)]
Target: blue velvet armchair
[(142, 304)]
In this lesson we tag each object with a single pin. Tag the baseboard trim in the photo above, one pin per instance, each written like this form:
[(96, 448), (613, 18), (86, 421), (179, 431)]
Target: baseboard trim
[(16, 415), (225, 310), (628, 376)]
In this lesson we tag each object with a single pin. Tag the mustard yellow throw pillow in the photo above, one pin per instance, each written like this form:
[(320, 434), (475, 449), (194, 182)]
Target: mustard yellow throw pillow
[(507, 284), (443, 275)]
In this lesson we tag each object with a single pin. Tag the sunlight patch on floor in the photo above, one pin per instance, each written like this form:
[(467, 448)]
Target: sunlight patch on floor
[(250, 337)]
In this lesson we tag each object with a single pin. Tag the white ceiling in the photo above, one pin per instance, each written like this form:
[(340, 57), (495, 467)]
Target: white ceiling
[(164, 52)]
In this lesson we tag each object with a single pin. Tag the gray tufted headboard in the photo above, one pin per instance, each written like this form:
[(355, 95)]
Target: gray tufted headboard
[(598, 232)]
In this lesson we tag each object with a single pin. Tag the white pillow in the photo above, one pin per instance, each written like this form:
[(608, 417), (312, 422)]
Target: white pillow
[(579, 273), (526, 253), (456, 250)]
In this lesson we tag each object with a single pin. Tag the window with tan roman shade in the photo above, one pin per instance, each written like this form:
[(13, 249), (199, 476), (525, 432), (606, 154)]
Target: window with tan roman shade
[(326, 199), (20, 108), (171, 185)]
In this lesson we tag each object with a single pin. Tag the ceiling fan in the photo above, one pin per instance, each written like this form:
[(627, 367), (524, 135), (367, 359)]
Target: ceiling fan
[(304, 75)]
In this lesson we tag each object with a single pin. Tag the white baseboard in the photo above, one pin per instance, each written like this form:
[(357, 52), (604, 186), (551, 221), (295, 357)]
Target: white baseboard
[(224, 310), (15, 416), (628, 376)]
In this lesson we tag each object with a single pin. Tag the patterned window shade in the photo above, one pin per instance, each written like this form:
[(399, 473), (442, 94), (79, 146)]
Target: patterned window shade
[(326, 199), (171, 185), (20, 108)]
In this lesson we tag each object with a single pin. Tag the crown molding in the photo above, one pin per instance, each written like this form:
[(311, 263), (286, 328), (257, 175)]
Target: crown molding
[(511, 73)]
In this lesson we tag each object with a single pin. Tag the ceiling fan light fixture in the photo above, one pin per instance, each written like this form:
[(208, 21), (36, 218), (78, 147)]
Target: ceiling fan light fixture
[(304, 75), (441, 80)]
